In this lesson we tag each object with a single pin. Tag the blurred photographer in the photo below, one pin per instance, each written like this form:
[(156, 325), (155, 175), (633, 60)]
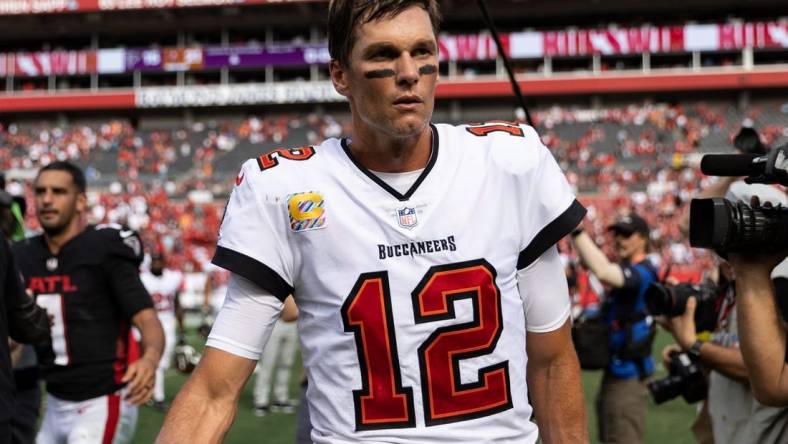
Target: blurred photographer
[(761, 299), (736, 416), (621, 402)]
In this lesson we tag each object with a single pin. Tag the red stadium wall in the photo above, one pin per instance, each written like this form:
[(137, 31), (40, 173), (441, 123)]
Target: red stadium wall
[(608, 84)]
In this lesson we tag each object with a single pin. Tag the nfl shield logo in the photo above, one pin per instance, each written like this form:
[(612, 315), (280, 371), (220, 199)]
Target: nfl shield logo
[(407, 217)]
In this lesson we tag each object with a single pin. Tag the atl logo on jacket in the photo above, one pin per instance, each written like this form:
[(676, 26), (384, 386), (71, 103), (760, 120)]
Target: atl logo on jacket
[(307, 211)]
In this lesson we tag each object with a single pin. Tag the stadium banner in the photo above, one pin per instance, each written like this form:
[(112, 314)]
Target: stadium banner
[(242, 94), (465, 47), (470, 47), (182, 59), (257, 56), (41, 64), (20, 7), (111, 61), (653, 39), (144, 60)]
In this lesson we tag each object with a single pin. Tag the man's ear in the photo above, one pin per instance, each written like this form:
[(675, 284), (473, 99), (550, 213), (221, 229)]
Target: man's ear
[(82, 202), (339, 77)]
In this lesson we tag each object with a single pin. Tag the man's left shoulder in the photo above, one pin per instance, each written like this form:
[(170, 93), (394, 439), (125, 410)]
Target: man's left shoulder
[(513, 147), (119, 241), (648, 267)]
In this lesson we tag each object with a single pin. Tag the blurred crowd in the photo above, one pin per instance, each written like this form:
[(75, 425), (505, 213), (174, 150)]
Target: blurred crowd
[(621, 159), (119, 150), (601, 149)]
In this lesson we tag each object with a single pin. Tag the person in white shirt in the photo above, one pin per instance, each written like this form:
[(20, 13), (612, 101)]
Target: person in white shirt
[(163, 284)]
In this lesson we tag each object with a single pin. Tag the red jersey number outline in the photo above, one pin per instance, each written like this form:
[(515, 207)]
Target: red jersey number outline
[(383, 402), (271, 159), (483, 129)]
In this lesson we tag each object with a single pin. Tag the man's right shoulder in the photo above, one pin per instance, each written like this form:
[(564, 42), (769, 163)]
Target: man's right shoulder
[(287, 165), (28, 246)]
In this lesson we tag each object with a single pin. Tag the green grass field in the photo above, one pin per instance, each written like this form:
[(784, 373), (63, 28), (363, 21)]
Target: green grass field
[(667, 423)]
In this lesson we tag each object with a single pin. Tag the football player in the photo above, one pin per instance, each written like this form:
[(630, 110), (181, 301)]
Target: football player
[(432, 302), (163, 285), (87, 279)]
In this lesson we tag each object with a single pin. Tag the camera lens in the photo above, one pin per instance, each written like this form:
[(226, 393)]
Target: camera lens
[(659, 299), (665, 389)]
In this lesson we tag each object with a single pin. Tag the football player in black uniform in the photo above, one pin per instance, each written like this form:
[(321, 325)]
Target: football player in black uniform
[(87, 279)]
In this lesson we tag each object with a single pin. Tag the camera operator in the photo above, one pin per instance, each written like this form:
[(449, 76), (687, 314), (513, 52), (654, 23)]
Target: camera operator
[(736, 416), (621, 402), (734, 189), (761, 298)]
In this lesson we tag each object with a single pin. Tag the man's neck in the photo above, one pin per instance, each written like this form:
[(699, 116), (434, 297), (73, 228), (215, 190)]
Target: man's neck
[(56, 242), (637, 258), (392, 155)]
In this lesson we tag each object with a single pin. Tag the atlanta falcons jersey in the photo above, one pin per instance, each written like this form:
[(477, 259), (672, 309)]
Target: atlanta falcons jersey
[(90, 290), (411, 322), (162, 289)]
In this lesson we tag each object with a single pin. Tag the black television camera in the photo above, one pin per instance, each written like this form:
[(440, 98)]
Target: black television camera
[(725, 226), (685, 378), (672, 301)]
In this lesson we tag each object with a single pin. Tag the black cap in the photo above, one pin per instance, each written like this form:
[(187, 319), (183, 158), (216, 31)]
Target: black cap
[(631, 223)]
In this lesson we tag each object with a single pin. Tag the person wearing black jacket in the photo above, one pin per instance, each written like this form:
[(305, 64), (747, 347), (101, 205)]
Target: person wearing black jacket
[(23, 321)]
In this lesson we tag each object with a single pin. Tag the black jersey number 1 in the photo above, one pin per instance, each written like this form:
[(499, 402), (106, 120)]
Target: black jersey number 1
[(383, 402)]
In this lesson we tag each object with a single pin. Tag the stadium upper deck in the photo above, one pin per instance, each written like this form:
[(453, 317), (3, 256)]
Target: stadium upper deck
[(126, 54)]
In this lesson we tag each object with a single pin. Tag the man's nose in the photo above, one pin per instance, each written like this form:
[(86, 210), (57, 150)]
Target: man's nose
[(46, 197), (407, 70)]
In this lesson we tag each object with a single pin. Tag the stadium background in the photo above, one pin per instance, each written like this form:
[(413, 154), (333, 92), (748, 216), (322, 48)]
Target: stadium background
[(161, 100)]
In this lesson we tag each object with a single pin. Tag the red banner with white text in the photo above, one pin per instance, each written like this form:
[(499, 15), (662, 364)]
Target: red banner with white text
[(20, 7)]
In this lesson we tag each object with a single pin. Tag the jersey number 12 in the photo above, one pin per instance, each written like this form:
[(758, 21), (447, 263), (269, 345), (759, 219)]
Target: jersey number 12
[(383, 402)]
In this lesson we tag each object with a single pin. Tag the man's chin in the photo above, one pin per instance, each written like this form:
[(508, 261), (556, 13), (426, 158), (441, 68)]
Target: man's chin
[(53, 229), (411, 127)]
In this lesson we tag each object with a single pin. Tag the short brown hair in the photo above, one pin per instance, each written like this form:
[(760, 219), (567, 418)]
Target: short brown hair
[(345, 16)]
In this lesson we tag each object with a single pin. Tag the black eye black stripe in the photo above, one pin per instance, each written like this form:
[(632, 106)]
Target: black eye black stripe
[(383, 73), (428, 69), (380, 73)]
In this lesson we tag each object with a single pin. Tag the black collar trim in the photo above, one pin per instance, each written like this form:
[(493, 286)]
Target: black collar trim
[(384, 185)]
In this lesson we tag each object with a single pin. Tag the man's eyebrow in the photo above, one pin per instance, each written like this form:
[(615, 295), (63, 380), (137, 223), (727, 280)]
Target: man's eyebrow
[(380, 46), (373, 48), (429, 43)]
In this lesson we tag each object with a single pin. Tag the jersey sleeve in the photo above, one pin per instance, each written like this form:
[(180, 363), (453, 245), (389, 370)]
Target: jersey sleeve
[(632, 278), (123, 256), (549, 208), (251, 238), (246, 319), (126, 286), (122, 243), (544, 292)]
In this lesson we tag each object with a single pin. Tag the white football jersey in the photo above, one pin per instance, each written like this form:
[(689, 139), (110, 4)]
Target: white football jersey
[(162, 289), (411, 322), (193, 291)]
